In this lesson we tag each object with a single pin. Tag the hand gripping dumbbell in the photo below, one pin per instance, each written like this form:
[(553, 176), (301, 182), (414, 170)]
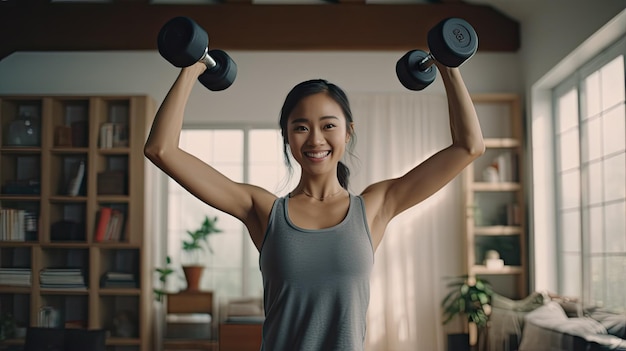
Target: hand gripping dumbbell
[(451, 42), (183, 42)]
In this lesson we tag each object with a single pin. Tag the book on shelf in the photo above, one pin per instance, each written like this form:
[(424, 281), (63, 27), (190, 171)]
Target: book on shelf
[(113, 135), (15, 276), (12, 224), (73, 188), (110, 225), (118, 280), (62, 278)]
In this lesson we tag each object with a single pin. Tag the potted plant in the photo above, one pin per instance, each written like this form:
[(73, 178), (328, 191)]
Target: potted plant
[(197, 242), (469, 298), (163, 273)]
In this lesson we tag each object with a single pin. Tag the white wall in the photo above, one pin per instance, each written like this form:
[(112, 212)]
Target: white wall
[(556, 28), (262, 82)]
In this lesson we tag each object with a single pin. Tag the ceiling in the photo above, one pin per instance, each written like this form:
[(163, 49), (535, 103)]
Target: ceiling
[(44, 25)]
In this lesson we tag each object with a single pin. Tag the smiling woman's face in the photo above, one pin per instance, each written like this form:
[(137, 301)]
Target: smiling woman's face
[(317, 133)]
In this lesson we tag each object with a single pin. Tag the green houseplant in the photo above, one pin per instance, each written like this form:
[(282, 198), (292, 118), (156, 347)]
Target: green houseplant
[(197, 242), (163, 273), (470, 298)]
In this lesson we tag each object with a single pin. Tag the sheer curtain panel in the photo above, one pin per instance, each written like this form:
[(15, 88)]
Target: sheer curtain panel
[(422, 245)]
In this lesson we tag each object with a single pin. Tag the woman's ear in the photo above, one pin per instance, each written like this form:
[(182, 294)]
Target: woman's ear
[(349, 132)]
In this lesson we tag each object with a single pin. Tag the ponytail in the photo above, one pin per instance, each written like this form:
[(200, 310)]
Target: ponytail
[(343, 174)]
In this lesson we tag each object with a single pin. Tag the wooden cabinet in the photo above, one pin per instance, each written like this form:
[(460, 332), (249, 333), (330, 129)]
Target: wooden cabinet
[(189, 321), (241, 336), (65, 160), (494, 199)]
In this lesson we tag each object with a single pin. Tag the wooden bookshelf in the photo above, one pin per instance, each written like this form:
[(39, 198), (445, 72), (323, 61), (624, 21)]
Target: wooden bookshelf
[(37, 178), (495, 208)]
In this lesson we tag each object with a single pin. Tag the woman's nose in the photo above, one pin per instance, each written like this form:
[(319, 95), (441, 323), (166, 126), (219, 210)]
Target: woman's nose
[(316, 138)]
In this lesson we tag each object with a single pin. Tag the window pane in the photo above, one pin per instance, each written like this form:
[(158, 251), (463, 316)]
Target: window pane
[(570, 190), (267, 164), (570, 279), (265, 146), (613, 83), (592, 140), (592, 95), (615, 226), (596, 230), (595, 183), (614, 131), (614, 178), (226, 282), (228, 146), (569, 150), (226, 246), (568, 111), (570, 231), (615, 283), (598, 278), (267, 176)]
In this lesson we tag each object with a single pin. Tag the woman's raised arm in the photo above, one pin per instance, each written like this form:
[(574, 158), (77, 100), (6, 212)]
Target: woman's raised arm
[(248, 203), (389, 198)]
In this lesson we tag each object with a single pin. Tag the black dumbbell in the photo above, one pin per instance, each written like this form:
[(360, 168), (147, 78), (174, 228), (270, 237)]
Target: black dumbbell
[(183, 42), (451, 42)]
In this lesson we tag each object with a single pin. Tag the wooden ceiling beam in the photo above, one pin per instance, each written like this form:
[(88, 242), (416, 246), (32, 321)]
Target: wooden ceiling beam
[(349, 26)]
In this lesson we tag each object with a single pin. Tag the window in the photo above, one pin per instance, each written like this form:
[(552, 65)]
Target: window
[(590, 154), (251, 155)]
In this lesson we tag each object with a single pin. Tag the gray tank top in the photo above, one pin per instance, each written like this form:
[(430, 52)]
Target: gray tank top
[(316, 282)]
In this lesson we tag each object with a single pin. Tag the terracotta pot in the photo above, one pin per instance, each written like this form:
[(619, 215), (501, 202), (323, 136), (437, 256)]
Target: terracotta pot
[(193, 274)]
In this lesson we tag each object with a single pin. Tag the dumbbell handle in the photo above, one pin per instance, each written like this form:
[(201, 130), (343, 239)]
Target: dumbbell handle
[(207, 59), (426, 62)]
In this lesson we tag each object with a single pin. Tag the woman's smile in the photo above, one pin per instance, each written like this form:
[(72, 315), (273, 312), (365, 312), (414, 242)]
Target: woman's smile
[(317, 155)]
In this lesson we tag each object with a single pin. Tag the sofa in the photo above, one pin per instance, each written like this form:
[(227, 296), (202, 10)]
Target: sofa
[(543, 323)]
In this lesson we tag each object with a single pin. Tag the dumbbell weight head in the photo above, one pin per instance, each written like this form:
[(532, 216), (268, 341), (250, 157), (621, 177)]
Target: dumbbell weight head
[(182, 42), (222, 75), (409, 73), (452, 41)]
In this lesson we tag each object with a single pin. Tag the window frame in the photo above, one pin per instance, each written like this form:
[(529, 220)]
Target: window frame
[(577, 81)]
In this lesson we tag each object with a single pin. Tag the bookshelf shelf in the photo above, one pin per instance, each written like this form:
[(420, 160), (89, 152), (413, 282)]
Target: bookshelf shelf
[(506, 270), (57, 181), (498, 230)]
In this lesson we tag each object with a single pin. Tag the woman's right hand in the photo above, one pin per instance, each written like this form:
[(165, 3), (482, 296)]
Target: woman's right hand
[(197, 68)]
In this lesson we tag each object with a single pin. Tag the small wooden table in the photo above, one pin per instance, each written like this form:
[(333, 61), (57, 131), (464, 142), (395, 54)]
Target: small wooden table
[(187, 302), (240, 336)]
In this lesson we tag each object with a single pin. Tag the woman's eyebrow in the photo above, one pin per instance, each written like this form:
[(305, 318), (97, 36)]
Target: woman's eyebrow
[(305, 120)]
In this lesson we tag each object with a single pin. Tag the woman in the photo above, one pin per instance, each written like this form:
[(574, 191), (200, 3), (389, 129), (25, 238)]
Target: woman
[(317, 244)]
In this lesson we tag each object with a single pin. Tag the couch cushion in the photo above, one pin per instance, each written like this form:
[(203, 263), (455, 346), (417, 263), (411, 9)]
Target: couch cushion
[(548, 328), (530, 303), (614, 323)]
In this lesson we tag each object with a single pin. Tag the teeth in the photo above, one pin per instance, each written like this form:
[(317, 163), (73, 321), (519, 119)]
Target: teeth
[(317, 154)]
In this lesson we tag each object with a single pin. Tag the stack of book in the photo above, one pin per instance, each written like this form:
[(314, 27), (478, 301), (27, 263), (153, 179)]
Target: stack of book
[(110, 225), (12, 224), (62, 278), (118, 280), (15, 276)]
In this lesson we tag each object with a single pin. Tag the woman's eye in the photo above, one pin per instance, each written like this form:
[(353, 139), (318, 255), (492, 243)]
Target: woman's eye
[(329, 126), (300, 129)]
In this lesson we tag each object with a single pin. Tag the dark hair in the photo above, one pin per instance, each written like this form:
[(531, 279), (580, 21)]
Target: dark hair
[(311, 87)]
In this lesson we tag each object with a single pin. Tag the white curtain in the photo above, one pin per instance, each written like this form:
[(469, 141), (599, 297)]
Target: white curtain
[(422, 245)]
